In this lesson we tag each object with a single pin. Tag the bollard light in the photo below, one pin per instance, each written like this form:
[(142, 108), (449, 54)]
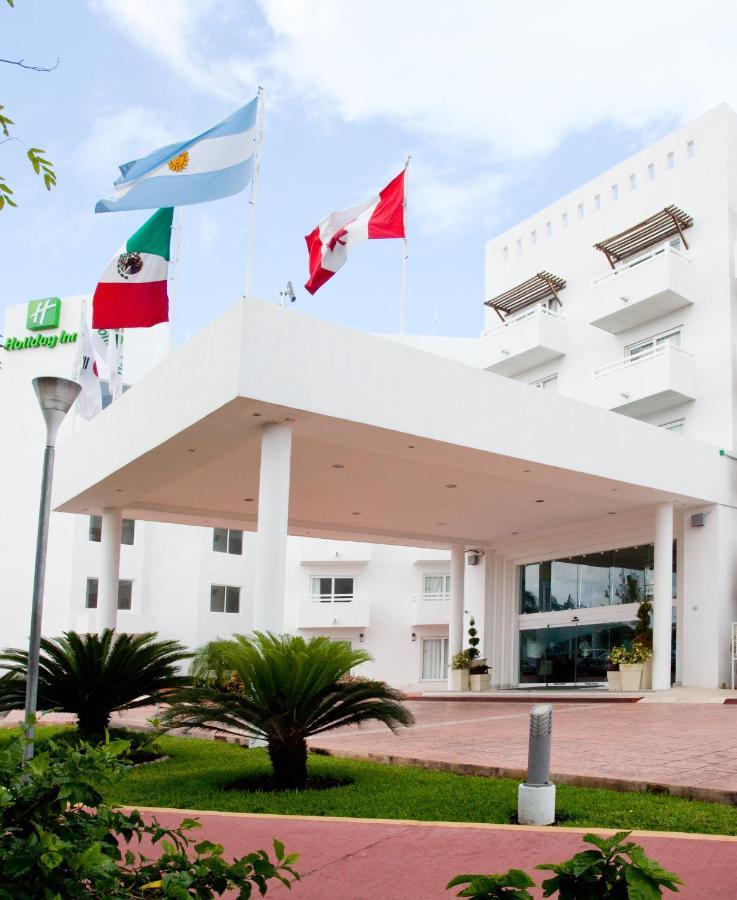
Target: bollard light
[(536, 797)]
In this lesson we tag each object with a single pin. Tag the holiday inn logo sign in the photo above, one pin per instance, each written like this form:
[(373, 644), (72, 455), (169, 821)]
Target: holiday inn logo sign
[(41, 315)]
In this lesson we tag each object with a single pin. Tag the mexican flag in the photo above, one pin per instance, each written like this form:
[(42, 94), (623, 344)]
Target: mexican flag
[(132, 290)]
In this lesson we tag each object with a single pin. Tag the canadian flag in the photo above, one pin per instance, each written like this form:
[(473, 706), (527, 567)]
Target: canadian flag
[(382, 216)]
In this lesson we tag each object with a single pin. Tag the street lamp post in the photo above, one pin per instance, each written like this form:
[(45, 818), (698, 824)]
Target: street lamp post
[(575, 621), (55, 397)]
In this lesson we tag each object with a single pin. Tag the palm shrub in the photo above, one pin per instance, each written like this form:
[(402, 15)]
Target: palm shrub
[(93, 675), (284, 690)]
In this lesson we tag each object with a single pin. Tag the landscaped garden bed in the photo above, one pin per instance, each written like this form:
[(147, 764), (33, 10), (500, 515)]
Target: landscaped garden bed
[(201, 774)]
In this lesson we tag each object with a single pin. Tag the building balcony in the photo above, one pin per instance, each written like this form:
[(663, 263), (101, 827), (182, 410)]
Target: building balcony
[(430, 611), (334, 613), (525, 341), (319, 550), (645, 288), (648, 383)]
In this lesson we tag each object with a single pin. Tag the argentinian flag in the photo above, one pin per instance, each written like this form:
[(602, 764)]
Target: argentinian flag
[(215, 164)]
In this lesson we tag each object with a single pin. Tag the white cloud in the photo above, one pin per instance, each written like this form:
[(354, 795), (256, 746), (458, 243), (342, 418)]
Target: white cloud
[(177, 32), (117, 137), (512, 78), (445, 200)]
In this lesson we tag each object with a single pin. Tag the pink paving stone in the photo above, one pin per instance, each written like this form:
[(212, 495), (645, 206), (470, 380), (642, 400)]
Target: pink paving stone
[(350, 860), (681, 745)]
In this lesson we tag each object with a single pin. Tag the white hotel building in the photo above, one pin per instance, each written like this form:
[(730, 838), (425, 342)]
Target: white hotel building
[(555, 471)]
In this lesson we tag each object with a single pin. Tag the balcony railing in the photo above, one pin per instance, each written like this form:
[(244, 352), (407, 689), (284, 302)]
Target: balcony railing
[(629, 361), (523, 317), (641, 260)]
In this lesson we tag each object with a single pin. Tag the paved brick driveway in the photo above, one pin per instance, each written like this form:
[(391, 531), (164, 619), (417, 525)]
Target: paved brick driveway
[(690, 749)]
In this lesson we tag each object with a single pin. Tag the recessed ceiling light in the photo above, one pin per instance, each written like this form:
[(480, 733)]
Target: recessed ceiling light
[(257, 415), (338, 466), (611, 514), (410, 446), (289, 419), (515, 532), (539, 501), (118, 490), (355, 513), (248, 499), (190, 450), (615, 489), (525, 470), (442, 523), (451, 485)]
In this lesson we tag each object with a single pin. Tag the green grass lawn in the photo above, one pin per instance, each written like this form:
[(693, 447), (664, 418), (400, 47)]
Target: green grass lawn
[(199, 772)]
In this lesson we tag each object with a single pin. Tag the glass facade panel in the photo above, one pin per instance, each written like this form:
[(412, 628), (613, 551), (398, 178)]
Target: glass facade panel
[(570, 653), (128, 531), (592, 580)]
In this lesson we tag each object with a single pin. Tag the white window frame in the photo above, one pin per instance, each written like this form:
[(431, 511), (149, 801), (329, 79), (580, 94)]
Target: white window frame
[(542, 383), (332, 597), (676, 426), (227, 549), (94, 578), (431, 596), (444, 657), (672, 336)]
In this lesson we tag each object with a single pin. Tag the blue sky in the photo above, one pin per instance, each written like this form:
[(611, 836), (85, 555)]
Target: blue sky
[(503, 107)]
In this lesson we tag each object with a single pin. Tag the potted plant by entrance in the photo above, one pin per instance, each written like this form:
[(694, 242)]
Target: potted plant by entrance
[(644, 637), (631, 666), (459, 668), (613, 675), (479, 677), (474, 654)]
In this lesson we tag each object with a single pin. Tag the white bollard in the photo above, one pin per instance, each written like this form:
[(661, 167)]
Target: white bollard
[(536, 797)]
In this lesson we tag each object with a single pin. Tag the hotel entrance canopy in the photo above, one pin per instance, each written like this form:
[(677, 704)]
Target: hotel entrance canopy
[(389, 443)]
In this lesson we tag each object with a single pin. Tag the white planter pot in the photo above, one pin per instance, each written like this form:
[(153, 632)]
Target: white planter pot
[(614, 680), (459, 679), (480, 682), (631, 674), (647, 676)]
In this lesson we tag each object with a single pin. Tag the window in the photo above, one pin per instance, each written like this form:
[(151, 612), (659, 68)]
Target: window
[(125, 594), (436, 587), (226, 540), (225, 598), (690, 150), (651, 171), (633, 351), (564, 220), (597, 201), (549, 383), (533, 238), (505, 253), (548, 229), (615, 191), (676, 426), (519, 245), (127, 531), (434, 659), (671, 158), (633, 181), (579, 210), (327, 589)]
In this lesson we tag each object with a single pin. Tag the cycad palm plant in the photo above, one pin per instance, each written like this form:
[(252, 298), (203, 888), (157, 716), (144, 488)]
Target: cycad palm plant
[(286, 690), (93, 675)]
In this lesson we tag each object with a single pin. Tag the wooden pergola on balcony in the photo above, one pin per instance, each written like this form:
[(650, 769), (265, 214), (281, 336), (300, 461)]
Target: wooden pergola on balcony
[(537, 289), (667, 223)]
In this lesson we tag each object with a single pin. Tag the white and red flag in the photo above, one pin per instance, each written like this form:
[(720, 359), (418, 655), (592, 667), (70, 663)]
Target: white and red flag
[(382, 216), (89, 401)]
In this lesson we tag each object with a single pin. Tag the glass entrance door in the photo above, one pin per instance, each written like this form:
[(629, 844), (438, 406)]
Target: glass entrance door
[(570, 654)]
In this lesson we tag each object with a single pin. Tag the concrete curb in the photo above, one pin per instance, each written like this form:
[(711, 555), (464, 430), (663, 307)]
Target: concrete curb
[(625, 785)]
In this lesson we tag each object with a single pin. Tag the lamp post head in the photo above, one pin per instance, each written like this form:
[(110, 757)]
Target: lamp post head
[(55, 397)]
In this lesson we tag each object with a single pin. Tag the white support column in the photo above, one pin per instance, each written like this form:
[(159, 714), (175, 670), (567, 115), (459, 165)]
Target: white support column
[(457, 596), (107, 588), (273, 519), (663, 596)]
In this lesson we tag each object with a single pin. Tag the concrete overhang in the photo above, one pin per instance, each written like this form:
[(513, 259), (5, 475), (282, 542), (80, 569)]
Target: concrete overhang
[(381, 432)]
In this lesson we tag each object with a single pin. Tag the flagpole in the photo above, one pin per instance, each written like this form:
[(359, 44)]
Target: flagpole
[(254, 192), (403, 286), (177, 229)]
